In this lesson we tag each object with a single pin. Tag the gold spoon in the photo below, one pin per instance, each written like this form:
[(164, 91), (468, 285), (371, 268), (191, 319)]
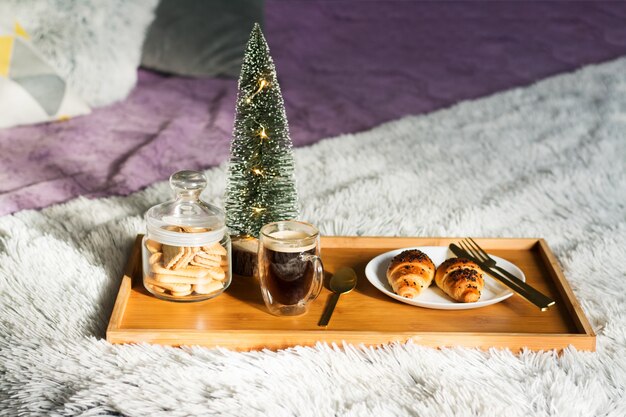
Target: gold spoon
[(342, 282)]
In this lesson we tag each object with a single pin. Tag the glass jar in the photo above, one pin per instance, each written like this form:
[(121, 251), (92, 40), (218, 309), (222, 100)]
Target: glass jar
[(186, 252)]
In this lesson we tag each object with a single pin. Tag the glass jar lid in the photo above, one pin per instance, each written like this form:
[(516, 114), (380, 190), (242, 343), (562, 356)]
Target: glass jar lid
[(186, 220)]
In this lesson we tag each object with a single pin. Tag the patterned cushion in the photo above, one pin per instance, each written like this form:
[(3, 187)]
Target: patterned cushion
[(30, 89)]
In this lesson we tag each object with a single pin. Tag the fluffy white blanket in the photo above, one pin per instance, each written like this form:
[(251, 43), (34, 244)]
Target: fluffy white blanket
[(548, 160)]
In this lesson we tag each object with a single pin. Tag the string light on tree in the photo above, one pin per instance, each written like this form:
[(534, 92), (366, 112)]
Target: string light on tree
[(262, 133), (261, 185), (262, 84)]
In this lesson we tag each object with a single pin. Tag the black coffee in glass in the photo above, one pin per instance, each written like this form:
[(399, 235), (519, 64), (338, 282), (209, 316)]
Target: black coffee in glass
[(288, 274)]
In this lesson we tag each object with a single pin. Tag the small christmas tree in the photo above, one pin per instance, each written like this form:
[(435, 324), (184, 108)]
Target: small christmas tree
[(261, 185)]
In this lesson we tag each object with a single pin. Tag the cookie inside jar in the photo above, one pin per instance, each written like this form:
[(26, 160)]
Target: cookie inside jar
[(186, 251)]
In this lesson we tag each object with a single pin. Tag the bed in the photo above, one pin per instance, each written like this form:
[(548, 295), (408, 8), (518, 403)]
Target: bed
[(409, 119), (343, 68)]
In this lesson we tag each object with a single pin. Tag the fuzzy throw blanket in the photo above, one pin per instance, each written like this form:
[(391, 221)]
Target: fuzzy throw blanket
[(548, 160)]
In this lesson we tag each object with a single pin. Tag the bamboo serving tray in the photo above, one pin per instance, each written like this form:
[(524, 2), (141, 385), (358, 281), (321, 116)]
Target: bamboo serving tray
[(238, 319)]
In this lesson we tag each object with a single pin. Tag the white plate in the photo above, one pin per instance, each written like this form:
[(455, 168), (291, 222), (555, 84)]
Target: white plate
[(433, 297)]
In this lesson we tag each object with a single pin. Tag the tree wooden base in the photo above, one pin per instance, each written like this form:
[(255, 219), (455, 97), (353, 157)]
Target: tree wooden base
[(244, 255)]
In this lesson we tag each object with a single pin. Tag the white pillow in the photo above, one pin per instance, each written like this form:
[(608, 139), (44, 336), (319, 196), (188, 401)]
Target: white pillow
[(30, 90), (94, 45)]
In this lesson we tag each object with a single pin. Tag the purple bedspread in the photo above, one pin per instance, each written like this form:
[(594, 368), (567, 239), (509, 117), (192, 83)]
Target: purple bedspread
[(344, 66)]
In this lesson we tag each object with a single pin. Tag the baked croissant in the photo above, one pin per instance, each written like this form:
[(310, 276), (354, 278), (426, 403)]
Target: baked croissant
[(409, 272), (461, 279)]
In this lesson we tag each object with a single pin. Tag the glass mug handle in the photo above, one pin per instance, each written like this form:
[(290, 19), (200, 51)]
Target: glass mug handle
[(318, 276)]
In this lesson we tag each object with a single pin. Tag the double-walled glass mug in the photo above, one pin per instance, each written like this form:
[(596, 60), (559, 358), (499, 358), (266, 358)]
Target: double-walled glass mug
[(289, 265)]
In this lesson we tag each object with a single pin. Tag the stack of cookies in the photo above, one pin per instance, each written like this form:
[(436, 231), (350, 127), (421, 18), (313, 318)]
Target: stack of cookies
[(181, 271)]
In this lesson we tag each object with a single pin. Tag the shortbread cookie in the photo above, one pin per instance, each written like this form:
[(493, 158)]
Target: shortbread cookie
[(215, 249), (195, 229), (179, 287), (212, 257), (212, 272), (173, 228), (189, 255), (171, 255), (181, 293), (207, 263), (189, 271), (183, 261), (153, 246), (203, 265), (208, 288), (216, 273), (178, 279), (156, 288), (155, 258), (214, 260)]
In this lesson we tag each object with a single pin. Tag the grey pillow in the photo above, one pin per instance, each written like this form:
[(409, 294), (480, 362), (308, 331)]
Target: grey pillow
[(200, 37)]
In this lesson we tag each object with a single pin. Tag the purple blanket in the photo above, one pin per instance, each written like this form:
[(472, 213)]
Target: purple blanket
[(344, 66)]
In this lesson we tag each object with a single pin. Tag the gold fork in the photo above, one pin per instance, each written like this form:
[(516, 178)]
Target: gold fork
[(489, 263)]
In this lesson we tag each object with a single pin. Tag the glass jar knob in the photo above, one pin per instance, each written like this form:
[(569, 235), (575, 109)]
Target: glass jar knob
[(188, 184)]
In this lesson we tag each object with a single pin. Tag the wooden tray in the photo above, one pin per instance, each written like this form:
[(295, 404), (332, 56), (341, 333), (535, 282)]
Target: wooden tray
[(239, 320)]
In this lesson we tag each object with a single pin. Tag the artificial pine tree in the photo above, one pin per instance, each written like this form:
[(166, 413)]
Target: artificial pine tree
[(261, 185)]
